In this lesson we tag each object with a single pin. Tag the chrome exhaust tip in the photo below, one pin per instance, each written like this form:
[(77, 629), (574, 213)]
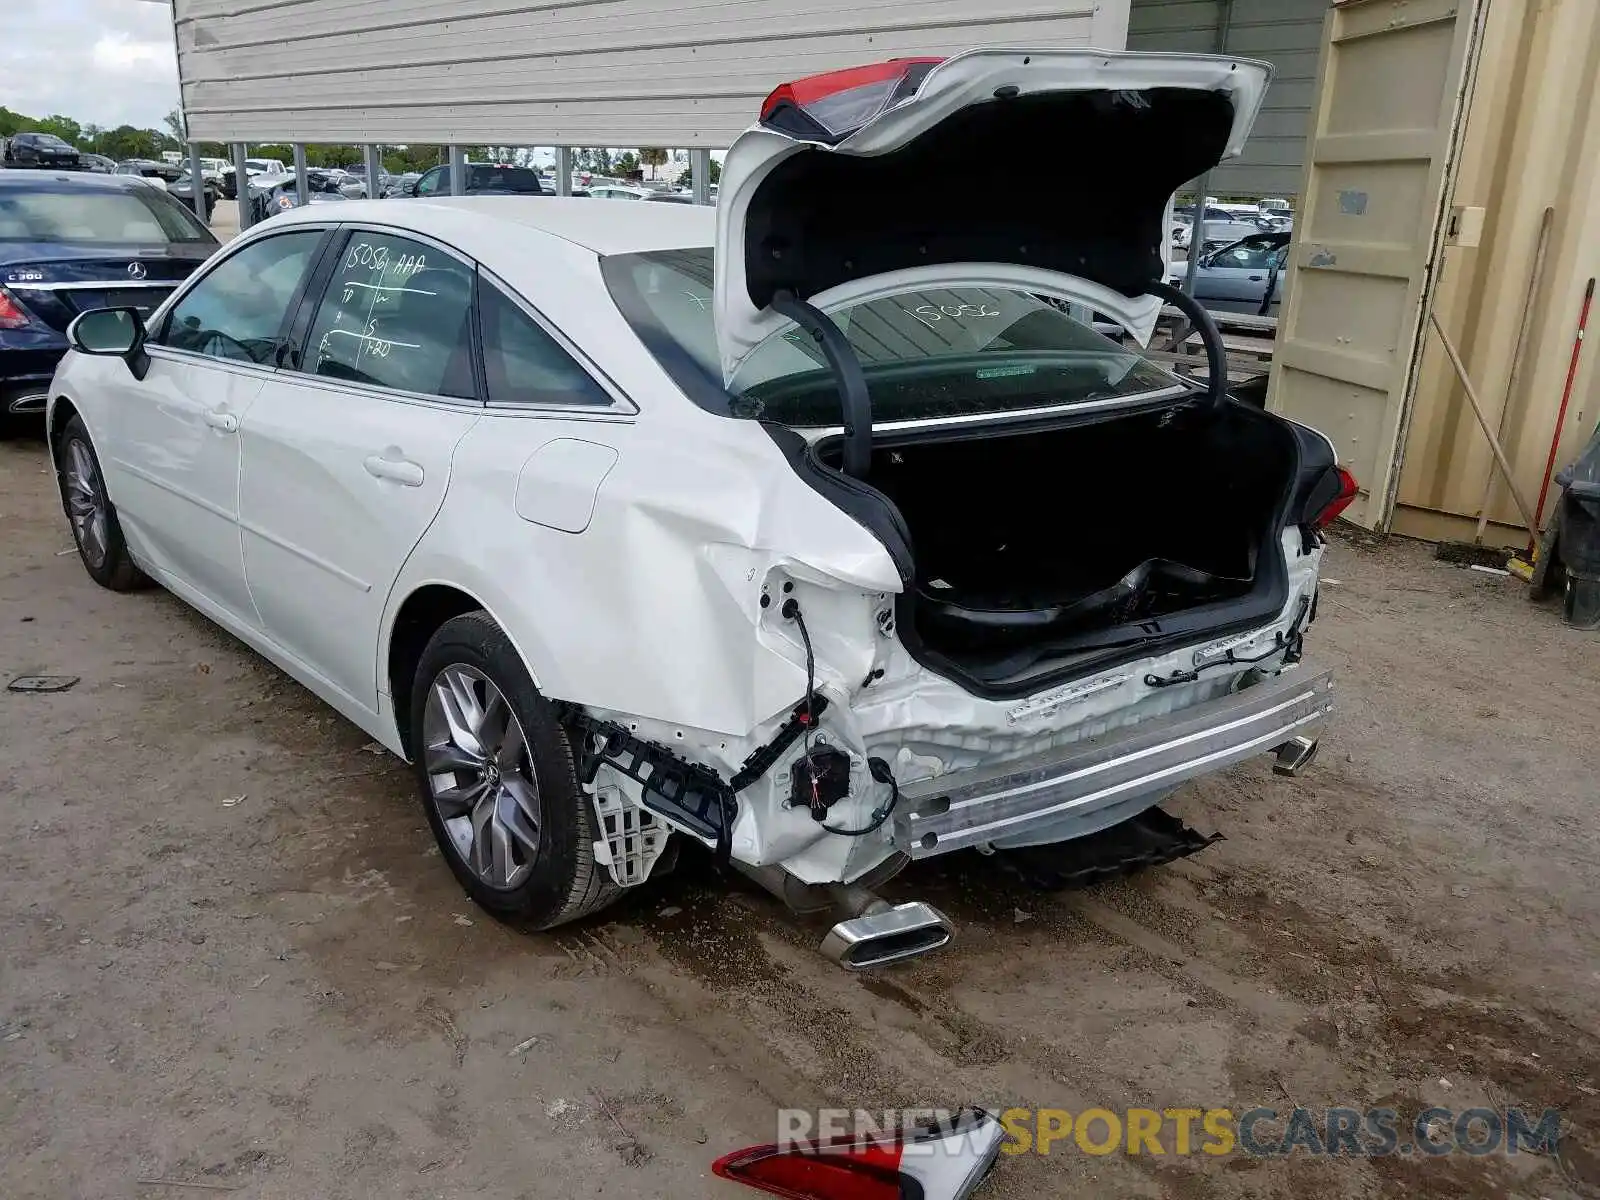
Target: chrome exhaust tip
[(1295, 755), (887, 934)]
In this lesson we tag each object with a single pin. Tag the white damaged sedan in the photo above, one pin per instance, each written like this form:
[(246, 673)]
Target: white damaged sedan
[(820, 529)]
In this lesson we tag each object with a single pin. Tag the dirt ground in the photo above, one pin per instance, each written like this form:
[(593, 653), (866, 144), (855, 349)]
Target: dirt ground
[(230, 955)]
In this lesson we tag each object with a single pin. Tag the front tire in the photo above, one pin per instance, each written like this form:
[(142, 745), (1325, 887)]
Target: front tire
[(499, 783), (96, 531)]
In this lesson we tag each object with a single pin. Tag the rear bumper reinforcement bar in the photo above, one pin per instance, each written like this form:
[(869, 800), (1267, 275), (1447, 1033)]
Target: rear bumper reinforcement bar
[(990, 804)]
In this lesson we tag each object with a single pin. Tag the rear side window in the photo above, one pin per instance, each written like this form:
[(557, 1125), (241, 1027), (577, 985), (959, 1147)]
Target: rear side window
[(237, 311), (96, 214), (517, 180), (397, 314), (525, 365)]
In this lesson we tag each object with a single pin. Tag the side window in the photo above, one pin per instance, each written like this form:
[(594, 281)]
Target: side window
[(397, 314), (237, 310), (429, 183), (525, 365)]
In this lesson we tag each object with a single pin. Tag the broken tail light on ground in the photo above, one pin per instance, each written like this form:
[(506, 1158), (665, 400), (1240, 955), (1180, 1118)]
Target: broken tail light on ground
[(830, 107), (940, 1162)]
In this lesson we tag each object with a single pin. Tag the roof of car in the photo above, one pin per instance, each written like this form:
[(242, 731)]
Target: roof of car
[(61, 181), (593, 224)]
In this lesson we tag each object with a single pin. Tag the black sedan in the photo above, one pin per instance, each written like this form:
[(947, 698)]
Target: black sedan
[(40, 150), (74, 242)]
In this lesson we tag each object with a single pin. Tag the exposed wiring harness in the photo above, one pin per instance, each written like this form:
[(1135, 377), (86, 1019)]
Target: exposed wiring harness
[(878, 769)]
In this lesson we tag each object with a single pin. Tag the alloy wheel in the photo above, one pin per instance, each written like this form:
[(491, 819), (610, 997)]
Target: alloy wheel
[(480, 776), (86, 504)]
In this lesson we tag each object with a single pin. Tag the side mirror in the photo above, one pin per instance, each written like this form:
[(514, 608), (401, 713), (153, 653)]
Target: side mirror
[(411, 188), (111, 333)]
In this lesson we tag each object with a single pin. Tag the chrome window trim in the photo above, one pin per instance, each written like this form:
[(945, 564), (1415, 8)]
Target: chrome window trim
[(621, 404), (173, 354), (1136, 400), (93, 285)]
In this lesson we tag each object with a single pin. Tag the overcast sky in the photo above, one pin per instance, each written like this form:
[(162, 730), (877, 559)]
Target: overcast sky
[(101, 62)]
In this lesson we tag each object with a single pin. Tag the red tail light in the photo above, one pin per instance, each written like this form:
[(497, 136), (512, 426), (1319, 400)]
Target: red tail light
[(945, 1162), (830, 107), (1348, 489), (12, 315)]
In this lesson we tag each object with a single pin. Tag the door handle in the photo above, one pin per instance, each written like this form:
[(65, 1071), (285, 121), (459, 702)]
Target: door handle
[(221, 419), (401, 471), (1257, 278)]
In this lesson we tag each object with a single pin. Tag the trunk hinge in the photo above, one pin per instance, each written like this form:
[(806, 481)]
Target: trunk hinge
[(853, 396)]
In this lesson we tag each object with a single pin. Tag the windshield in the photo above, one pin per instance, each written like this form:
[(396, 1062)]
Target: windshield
[(933, 352), (111, 215)]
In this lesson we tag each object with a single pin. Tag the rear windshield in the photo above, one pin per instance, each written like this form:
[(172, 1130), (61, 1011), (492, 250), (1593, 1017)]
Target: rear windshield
[(138, 214), (522, 180), (929, 353)]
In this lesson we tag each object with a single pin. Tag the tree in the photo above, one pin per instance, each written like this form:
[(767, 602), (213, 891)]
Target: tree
[(64, 128), (174, 123), (714, 175), (625, 165), (653, 157)]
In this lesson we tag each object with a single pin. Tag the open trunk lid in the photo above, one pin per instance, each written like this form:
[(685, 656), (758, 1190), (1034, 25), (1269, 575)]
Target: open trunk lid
[(849, 186)]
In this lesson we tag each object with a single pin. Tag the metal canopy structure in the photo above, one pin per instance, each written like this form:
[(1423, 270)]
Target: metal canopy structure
[(1285, 33), (560, 72)]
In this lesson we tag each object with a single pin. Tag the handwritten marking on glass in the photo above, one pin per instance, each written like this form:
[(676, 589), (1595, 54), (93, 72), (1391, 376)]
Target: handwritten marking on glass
[(929, 313)]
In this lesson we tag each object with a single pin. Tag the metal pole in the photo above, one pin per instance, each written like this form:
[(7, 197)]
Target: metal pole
[(241, 186), (1197, 239), (563, 170), (374, 171), (700, 165), (197, 185), (302, 186), (458, 171)]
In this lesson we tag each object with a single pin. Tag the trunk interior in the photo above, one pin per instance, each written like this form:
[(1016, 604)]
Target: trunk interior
[(1055, 550)]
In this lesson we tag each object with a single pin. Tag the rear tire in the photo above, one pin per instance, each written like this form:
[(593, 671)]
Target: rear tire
[(96, 531), (499, 783)]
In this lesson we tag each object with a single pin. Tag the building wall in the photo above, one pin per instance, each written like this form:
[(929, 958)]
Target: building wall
[(561, 72), (1286, 33), (1532, 140)]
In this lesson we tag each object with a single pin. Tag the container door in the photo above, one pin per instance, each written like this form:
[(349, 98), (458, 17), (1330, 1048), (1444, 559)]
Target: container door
[(1393, 85)]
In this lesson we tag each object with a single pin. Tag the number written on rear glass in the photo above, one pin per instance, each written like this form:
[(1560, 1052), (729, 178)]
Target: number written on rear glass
[(929, 313)]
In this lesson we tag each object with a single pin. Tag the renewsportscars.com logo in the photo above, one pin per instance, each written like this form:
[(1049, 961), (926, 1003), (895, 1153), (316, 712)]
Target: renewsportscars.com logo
[(1217, 1132)]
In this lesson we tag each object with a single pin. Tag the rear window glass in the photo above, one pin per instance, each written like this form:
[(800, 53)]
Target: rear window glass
[(505, 179), (99, 215), (928, 353)]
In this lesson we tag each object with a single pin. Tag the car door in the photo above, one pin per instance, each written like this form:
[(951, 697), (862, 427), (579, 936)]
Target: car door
[(171, 448), (1234, 278), (346, 455), (433, 182)]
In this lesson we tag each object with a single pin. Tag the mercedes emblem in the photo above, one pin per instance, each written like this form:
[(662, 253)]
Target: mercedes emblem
[(136, 270)]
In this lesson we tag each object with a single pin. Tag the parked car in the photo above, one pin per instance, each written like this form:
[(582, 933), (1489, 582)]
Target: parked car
[(1220, 230), (401, 185), (71, 243), (379, 187), (255, 168), (823, 561), (482, 179), (98, 163), (40, 150), (182, 189), (671, 197), (617, 192), (272, 195), (150, 168), (1245, 277)]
